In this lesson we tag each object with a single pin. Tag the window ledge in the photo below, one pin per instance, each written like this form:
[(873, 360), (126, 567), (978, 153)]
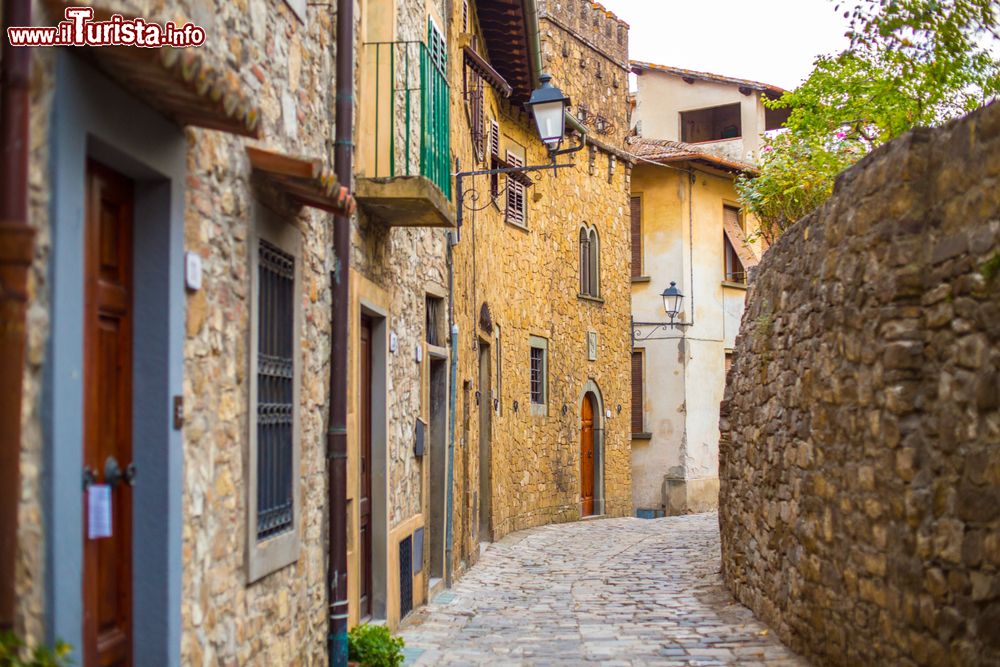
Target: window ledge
[(593, 299), (523, 228), (642, 436), (539, 410), (739, 286), (641, 279)]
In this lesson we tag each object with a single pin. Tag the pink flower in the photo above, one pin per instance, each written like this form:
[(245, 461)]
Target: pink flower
[(841, 135)]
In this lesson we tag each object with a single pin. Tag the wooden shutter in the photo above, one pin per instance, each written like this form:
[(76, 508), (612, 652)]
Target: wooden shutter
[(637, 391), (515, 193), (494, 152), (584, 262), (494, 138), (478, 121), (636, 208)]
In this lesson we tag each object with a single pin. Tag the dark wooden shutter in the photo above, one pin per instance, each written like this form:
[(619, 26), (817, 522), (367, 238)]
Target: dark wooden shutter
[(637, 392), (636, 209), (494, 153), (515, 194)]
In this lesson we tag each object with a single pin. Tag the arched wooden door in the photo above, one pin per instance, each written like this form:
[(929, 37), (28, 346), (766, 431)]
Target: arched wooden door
[(587, 456)]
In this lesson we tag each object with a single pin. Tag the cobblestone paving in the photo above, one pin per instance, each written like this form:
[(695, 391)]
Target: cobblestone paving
[(610, 592)]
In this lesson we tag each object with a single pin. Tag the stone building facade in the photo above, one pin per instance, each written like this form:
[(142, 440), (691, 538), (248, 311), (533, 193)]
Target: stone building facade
[(687, 229), (519, 300), (181, 199), (860, 468)]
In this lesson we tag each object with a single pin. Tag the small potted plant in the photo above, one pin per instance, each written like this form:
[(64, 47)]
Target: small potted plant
[(15, 653), (373, 646)]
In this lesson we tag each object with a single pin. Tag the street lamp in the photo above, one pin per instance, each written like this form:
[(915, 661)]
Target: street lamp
[(548, 105), (672, 300)]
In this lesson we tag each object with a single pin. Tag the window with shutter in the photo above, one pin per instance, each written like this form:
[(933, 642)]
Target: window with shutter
[(637, 415), (636, 209), (515, 194), (475, 101), (494, 136), (735, 272)]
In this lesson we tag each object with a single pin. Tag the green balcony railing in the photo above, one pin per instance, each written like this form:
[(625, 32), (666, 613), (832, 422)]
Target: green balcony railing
[(411, 120)]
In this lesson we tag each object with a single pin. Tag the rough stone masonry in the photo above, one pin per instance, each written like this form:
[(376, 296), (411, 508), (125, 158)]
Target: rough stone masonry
[(860, 463)]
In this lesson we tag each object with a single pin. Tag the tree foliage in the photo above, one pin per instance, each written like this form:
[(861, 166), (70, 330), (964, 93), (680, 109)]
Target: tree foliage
[(910, 63)]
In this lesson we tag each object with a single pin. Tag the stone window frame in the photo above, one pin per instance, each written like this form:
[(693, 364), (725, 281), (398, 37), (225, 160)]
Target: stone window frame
[(275, 553), (539, 409)]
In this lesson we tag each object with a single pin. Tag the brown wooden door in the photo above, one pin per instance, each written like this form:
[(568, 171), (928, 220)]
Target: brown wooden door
[(365, 504), (485, 446), (587, 457), (107, 562)]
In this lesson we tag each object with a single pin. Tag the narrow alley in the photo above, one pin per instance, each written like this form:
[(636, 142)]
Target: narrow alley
[(611, 592)]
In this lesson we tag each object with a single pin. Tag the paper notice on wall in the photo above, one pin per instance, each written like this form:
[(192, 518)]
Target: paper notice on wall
[(98, 511)]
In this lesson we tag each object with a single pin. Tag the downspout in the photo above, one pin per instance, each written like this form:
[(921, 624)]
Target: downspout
[(530, 9), (452, 400), (336, 572), (16, 252)]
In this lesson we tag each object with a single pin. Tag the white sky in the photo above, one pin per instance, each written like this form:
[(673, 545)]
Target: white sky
[(772, 41)]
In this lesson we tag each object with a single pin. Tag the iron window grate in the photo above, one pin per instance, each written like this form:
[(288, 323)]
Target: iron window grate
[(405, 576), (275, 381), (537, 375)]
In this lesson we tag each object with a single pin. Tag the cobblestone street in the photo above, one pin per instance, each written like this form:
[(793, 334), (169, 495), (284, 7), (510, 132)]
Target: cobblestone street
[(609, 592)]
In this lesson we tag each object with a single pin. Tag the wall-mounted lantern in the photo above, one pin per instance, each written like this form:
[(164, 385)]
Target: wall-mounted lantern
[(548, 105), (672, 301)]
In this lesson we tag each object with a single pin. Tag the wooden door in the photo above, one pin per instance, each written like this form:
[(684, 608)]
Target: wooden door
[(587, 457), (485, 453), (365, 504), (107, 562)]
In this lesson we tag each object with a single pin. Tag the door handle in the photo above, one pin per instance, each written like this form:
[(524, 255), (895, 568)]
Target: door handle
[(89, 477), (113, 475)]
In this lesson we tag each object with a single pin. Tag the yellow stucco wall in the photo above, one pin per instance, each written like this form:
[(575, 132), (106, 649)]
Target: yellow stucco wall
[(682, 232)]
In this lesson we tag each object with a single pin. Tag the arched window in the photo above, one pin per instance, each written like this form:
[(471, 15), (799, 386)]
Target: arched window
[(595, 264), (590, 262)]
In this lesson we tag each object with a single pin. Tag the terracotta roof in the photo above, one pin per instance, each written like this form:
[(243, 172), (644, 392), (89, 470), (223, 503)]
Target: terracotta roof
[(307, 180), (664, 151), (706, 76), (186, 85)]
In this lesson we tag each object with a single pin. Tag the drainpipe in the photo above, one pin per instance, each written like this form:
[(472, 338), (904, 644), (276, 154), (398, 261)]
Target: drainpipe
[(452, 400), (530, 9), (16, 252), (336, 571)]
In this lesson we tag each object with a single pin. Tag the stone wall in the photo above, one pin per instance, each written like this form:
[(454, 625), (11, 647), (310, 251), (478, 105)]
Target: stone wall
[(286, 65), (860, 469)]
